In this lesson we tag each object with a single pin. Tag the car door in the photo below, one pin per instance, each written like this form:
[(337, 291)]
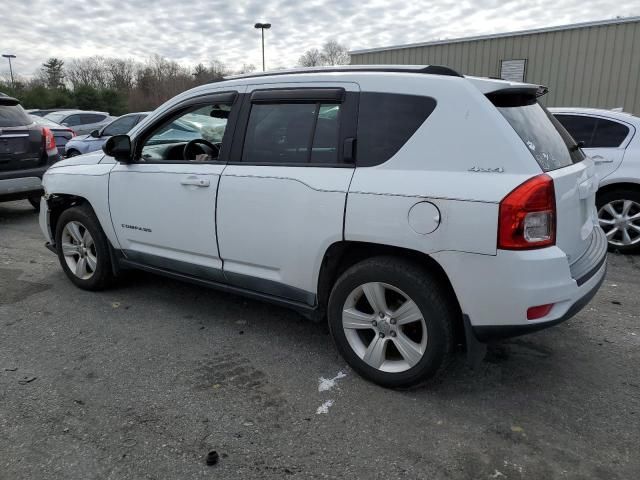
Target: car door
[(163, 205), (282, 196), (603, 139)]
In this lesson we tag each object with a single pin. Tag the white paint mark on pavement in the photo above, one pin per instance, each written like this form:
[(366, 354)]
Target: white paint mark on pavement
[(327, 384), (324, 408)]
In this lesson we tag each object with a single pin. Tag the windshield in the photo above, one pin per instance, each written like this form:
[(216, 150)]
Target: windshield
[(544, 136), (45, 121), (56, 117)]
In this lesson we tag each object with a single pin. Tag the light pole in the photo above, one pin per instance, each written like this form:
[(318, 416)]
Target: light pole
[(263, 27), (9, 57)]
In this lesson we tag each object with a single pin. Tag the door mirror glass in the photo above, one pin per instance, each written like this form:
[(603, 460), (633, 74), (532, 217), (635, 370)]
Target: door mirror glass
[(118, 147), (95, 134)]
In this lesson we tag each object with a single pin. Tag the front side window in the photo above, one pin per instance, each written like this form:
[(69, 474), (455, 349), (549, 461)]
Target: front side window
[(72, 120), (292, 133), (194, 135), (86, 118), (120, 126), (580, 127)]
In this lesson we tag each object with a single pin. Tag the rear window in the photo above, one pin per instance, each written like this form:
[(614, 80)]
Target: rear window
[(386, 121), (547, 140), (13, 116)]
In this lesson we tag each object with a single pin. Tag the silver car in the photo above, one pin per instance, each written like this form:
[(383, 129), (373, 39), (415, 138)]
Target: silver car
[(94, 140), (80, 121)]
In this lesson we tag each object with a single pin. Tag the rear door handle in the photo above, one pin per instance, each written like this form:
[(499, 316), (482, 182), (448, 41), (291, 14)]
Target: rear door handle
[(195, 181)]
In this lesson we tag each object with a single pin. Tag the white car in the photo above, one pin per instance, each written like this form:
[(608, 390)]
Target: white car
[(611, 139), (412, 208)]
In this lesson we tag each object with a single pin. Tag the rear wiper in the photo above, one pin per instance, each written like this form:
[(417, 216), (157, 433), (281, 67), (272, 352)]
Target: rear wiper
[(577, 146)]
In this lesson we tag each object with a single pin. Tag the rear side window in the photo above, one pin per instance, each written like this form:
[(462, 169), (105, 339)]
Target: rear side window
[(386, 121), (295, 133), (545, 137), (594, 132), (13, 116), (609, 134), (91, 118)]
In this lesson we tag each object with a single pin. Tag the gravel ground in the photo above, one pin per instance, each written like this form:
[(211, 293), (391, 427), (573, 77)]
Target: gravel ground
[(143, 380)]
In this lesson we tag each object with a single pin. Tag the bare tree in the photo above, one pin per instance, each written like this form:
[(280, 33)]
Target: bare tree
[(334, 53), (311, 58), (90, 71), (121, 73)]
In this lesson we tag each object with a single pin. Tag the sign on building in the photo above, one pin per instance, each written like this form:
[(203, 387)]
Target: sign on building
[(512, 70)]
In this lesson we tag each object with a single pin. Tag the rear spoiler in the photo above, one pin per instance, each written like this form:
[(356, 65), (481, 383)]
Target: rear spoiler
[(516, 97), (4, 100)]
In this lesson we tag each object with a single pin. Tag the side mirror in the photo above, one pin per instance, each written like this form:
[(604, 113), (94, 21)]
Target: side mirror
[(64, 124), (95, 134), (119, 147)]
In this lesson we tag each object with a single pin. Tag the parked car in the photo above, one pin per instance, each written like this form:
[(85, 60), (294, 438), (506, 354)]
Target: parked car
[(40, 112), (410, 207), (61, 134), (82, 122), (95, 140), (611, 139), (26, 151)]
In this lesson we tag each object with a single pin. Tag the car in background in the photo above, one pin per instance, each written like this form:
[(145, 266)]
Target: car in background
[(61, 134), (612, 140), (26, 151), (94, 141), (40, 112), (81, 121)]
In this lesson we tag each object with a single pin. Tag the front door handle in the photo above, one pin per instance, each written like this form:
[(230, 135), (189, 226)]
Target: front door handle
[(195, 181)]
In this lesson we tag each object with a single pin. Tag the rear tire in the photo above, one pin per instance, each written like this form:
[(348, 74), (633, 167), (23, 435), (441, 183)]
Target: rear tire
[(83, 249), (407, 338), (619, 215)]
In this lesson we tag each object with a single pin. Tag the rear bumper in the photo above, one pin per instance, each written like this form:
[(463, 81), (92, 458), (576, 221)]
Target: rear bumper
[(17, 188), (495, 291), (488, 333), (18, 184)]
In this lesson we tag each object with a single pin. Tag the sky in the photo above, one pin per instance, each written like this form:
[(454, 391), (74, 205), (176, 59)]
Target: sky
[(193, 31)]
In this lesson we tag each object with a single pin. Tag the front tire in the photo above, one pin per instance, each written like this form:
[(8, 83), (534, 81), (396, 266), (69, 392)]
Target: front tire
[(392, 322), (83, 249), (619, 217), (72, 153)]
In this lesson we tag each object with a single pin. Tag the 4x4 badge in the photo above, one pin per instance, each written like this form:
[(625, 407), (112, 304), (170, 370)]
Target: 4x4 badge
[(487, 170)]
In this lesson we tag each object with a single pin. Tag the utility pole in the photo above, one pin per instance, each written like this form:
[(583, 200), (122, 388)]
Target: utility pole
[(9, 57), (263, 27)]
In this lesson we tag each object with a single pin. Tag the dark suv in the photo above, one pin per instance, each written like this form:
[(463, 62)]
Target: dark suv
[(26, 151)]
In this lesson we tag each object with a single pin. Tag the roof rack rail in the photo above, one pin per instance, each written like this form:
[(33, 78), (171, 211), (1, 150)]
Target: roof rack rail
[(428, 69)]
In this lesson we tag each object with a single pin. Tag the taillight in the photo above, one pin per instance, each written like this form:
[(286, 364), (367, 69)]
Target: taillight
[(527, 217), (48, 139)]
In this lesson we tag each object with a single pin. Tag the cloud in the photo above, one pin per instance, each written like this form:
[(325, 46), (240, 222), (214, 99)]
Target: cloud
[(193, 31)]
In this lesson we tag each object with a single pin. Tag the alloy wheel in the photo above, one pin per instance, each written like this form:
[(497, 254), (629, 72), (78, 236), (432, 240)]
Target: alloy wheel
[(384, 327), (620, 220), (79, 250)]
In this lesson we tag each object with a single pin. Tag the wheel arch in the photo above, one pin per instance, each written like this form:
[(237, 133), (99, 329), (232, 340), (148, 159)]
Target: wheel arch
[(343, 254), (610, 187)]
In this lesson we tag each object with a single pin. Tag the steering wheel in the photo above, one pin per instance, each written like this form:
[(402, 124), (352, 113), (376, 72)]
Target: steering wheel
[(187, 152)]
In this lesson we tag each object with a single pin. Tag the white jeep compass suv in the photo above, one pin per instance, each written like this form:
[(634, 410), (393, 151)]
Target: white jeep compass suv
[(411, 207)]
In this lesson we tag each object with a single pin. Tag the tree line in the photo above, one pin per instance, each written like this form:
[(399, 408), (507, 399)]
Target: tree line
[(120, 86)]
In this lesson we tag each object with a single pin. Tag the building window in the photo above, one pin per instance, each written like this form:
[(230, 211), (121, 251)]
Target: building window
[(513, 70)]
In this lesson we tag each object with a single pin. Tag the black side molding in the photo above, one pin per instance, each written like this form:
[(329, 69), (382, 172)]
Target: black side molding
[(289, 95)]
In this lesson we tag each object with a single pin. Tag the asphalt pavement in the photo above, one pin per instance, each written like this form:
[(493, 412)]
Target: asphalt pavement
[(144, 380)]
